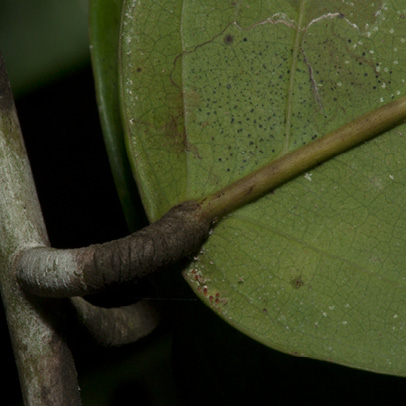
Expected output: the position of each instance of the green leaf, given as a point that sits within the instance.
(104, 26)
(214, 90)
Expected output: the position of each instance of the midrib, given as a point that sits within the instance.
(187, 187)
(296, 48)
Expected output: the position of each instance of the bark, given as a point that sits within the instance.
(44, 361)
(52, 272)
(117, 326)
(29, 268)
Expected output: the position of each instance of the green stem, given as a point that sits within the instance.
(296, 162)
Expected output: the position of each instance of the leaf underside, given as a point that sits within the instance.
(213, 90)
(104, 29)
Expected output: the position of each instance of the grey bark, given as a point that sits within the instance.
(44, 362)
(52, 272)
(35, 277)
(117, 326)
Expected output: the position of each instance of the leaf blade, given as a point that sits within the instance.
(316, 267)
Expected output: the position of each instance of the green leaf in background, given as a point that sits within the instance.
(33, 55)
(214, 90)
(104, 25)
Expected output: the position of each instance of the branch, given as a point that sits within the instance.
(117, 326)
(67, 273)
(298, 161)
(77, 272)
(45, 365)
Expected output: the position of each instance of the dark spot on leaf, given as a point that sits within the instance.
(139, 69)
(228, 39)
(297, 282)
